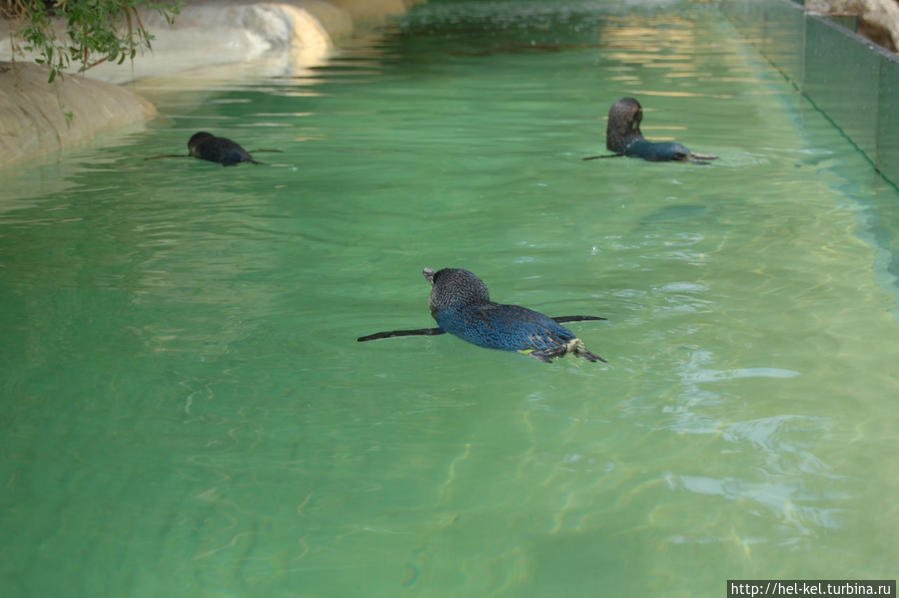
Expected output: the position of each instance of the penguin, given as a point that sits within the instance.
(460, 304)
(207, 146)
(221, 150)
(623, 137)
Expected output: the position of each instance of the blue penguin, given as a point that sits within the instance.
(221, 150)
(461, 305)
(623, 137)
(207, 146)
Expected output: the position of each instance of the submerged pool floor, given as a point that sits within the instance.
(186, 411)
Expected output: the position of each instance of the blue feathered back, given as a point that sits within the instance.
(461, 305)
(657, 152)
(507, 327)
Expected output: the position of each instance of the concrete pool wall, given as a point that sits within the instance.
(852, 81)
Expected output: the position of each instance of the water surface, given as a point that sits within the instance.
(186, 411)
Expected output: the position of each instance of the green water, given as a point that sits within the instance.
(185, 411)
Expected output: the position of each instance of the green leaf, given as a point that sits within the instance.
(98, 30)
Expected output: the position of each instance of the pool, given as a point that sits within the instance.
(187, 413)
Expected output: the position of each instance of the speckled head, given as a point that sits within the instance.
(625, 116)
(454, 288)
(196, 139)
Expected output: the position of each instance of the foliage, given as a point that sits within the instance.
(98, 30)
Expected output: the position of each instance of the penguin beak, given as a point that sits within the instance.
(428, 273)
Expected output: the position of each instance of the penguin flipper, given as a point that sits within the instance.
(168, 156)
(601, 157)
(393, 333)
(236, 162)
(561, 319)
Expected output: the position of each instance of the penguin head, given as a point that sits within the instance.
(625, 116)
(454, 288)
(196, 139)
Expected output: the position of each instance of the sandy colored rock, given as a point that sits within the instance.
(880, 16)
(34, 117)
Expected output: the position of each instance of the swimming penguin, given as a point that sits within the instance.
(623, 137)
(207, 146)
(461, 305)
